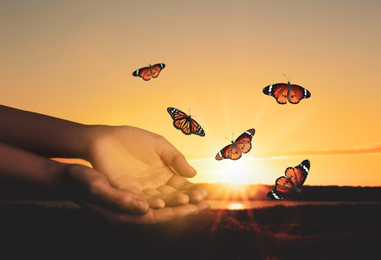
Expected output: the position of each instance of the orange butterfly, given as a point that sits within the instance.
(292, 182)
(283, 92)
(147, 72)
(241, 145)
(185, 123)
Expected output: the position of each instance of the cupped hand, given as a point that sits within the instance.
(135, 159)
(91, 190)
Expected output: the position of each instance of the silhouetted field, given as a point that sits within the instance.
(220, 191)
(302, 232)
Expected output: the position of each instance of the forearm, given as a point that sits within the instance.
(22, 167)
(45, 135)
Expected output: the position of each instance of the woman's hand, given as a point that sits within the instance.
(136, 173)
(135, 159)
(90, 189)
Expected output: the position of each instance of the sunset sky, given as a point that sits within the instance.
(74, 60)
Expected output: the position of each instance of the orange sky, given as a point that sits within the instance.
(74, 59)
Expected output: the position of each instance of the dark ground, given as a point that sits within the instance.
(28, 231)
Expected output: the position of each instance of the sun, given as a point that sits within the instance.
(244, 171)
(236, 172)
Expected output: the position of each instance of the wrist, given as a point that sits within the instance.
(89, 139)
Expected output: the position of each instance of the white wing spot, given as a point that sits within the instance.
(248, 133)
(305, 168)
(275, 195)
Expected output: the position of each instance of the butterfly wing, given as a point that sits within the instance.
(241, 145)
(185, 123)
(283, 188)
(297, 93)
(196, 128)
(278, 91)
(176, 113)
(155, 69)
(230, 151)
(244, 140)
(144, 73)
(298, 174)
(179, 120)
(293, 181)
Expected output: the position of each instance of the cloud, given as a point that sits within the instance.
(373, 148)
(241, 159)
(370, 149)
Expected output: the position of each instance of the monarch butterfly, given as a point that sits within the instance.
(292, 182)
(241, 145)
(185, 123)
(286, 91)
(147, 72)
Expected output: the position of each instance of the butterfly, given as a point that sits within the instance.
(283, 92)
(292, 182)
(147, 72)
(185, 123)
(241, 145)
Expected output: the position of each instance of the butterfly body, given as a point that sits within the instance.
(286, 91)
(241, 145)
(290, 183)
(147, 73)
(185, 123)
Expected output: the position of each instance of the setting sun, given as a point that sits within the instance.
(235, 172)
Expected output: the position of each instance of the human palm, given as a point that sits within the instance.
(135, 159)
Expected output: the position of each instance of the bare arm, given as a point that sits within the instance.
(75, 182)
(18, 166)
(130, 158)
(45, 135)
(87, 187)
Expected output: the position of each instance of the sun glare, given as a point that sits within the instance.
(235, 206)
(236, 172)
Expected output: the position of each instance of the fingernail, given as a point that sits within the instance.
(140, 207)
(205, 207)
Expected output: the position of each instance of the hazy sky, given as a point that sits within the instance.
(74, 60)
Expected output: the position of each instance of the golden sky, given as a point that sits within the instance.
(74, 60)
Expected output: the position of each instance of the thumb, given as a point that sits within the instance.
(171, 156)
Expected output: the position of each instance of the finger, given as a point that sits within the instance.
(181, 183)
(175, 159)
(156, 203)
(153, 216)
(120, 200)
(172, 198)
(194, 192)
(153, 202)
(168, 196)
(173, 213)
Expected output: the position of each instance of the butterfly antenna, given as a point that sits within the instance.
(288, 79)
(230, 140)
